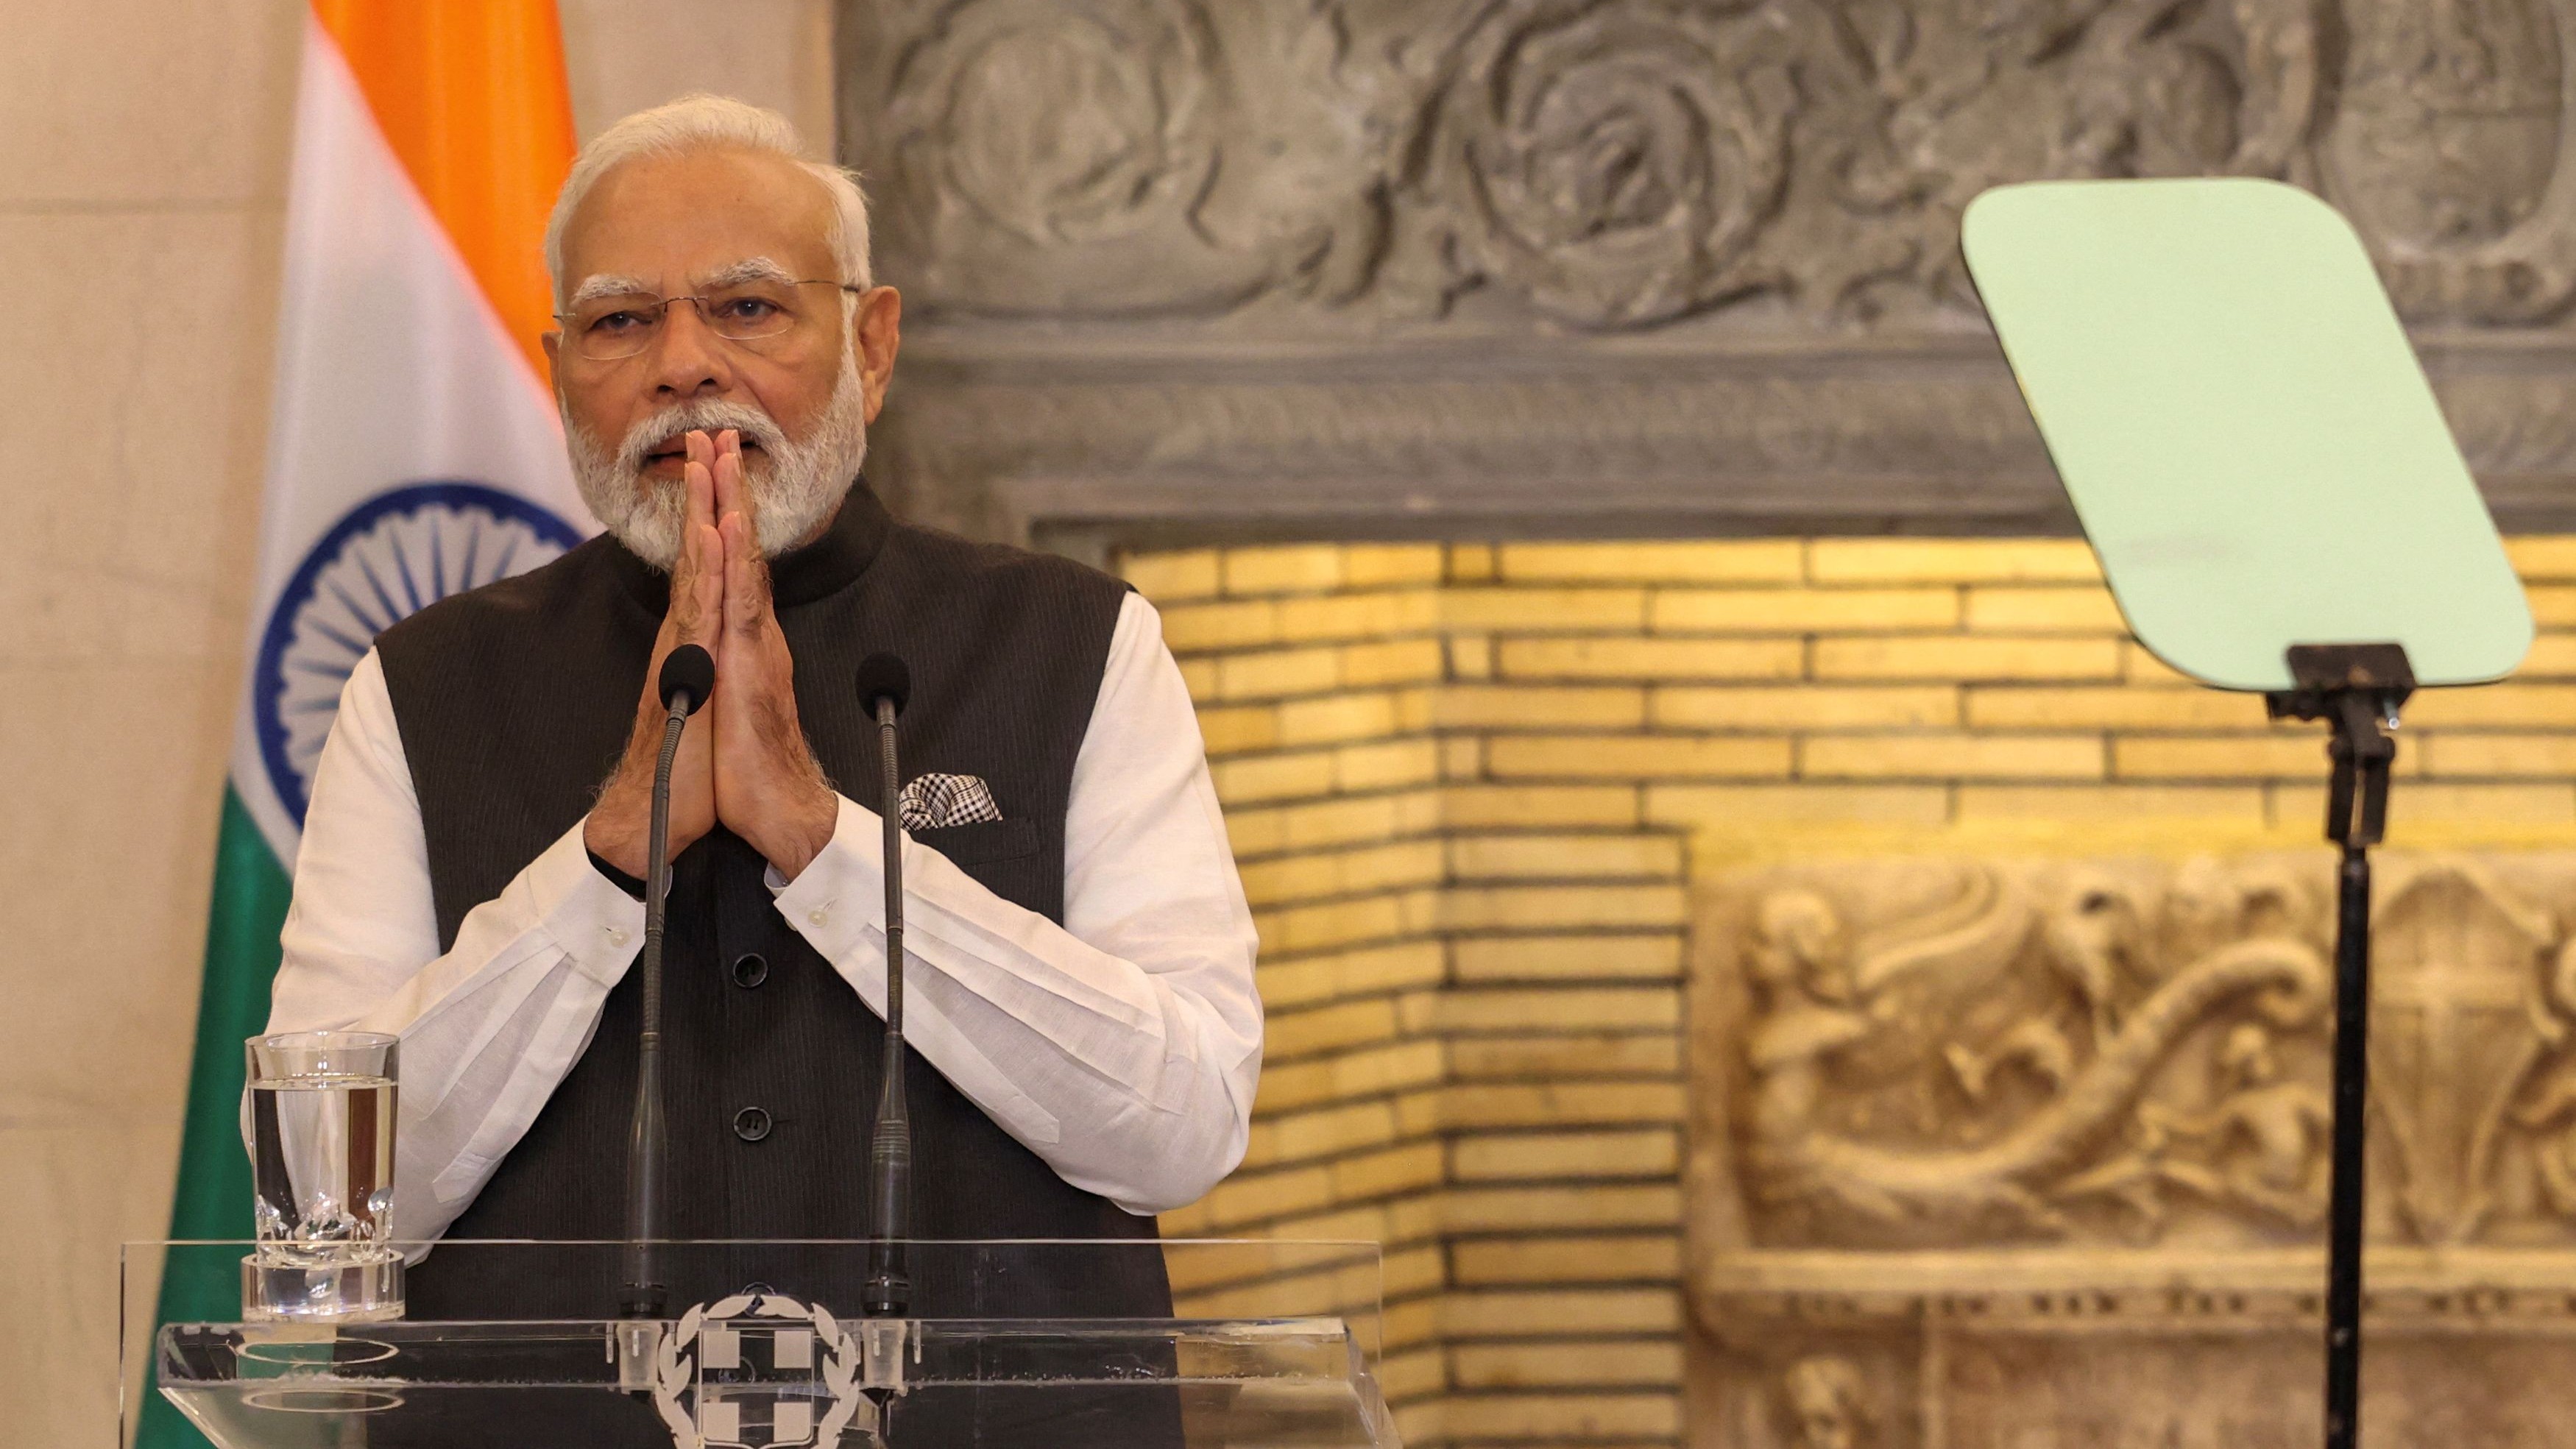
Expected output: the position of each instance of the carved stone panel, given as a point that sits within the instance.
(1442, 238)
(2020, 1152)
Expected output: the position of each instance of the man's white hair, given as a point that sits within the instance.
(697, 122)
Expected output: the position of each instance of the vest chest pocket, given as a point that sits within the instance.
(983, 842)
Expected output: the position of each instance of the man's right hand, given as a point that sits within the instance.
(620, 823)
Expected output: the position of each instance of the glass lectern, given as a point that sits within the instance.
(1265, 1344)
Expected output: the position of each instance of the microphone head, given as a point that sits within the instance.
(691, 670)
(883, 676)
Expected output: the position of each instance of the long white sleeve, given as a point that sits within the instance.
(1124, 1045)
(490, 1028)
(1131, 1033)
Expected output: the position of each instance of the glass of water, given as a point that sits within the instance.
(321, 1107)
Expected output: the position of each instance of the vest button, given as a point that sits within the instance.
(749, 970)
(751, 1124)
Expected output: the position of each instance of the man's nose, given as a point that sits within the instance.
(688, 359)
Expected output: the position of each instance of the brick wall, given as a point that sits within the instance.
(1462, 781)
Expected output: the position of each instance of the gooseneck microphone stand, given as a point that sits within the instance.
(2356, 689)
(884, 686)
(688, 677)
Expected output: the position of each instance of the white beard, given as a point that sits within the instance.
(793, 493)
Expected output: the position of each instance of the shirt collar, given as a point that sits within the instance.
(818, 570)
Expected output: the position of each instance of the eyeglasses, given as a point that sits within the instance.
(606, 329)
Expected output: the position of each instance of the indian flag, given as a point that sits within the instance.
(414, 452)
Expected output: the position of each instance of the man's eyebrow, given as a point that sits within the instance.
(607, 284)
(749, 269)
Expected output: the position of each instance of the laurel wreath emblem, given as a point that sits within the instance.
(675, 1368)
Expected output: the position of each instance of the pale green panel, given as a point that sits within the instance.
(2243, 428)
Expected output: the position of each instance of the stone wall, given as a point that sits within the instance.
(1466, 783)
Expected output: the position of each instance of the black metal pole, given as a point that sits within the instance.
(2351, 1094)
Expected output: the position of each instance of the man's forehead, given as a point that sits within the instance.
(677, 220)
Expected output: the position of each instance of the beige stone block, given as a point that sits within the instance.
(1804, 707)
(2241, 805)
(1335, 718)
(1470, 807)
(1539, 1209)
(1367, 1072)
(622, 56)
(1966, 657)
(1507, 1313)
(1324, 823)
(1331, 1132)
(1637, 757)
(1548, 1058)
(1568, 957)
(2080, 610)
(1272, 673)
(1403, 1376)
(1417, 1270)
(1387, 766)
(1559, 857)
(1239, 730)
(1249, 1197)
(1305, 980)
(1491, 1009)
(2510, 705)
(1172, 577)
(1526, 706)
(1408, 1168)
(1545, 907)
(1471, 656)
(1722, 806)
(2112, 707)
(1951, 561)
(1801, 611)
(1357, 616)
(1471, 563)
(1462, 758)
(1516, 1262)
(1573, 1364)
(1542, 609)
(1563, 1417)
(1343, 872)
(1396, 661)
(2552, 608)
(2457, 754)
(1288, 1035)
(1374, 565)
(1341, 923)
(1523, 1155)
(1647, 659)
(1198, 676)
(2004, 757)
(1251, 779)
(1283, 568)
(1693, 561)
(1232, 624)
(2430, 802)
(2230, 757)
(1558, 1104)
(2539, 557)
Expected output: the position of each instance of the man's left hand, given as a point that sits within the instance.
(769, 790)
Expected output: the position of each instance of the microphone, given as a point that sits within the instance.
(688, 677)
(884, 687)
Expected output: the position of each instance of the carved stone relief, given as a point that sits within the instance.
(2034, 1152)
(1491, 194)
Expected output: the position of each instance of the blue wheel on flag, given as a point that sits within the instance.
(393, 555)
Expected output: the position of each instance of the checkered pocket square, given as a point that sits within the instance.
(934, 802)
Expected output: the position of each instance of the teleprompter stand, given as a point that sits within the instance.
(2357, 689)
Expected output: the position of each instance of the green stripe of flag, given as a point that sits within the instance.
(213, 1197)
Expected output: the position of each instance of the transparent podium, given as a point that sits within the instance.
(1190, 1344)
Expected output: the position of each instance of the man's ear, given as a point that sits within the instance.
(552, 342)
(876, 334)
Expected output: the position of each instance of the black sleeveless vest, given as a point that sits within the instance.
(515, 701)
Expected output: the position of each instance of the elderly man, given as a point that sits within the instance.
(1081, 998)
